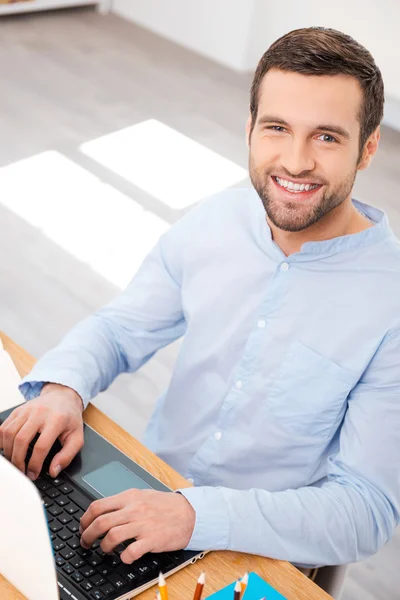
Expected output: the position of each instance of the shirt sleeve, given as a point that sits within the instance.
(123, 335)
(347, 518)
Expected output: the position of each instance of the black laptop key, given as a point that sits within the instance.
(67, 553)
(71, 509)
(73, 527)
(87, 586)
(52, 493)
(47, 503)
(94, 560)
(77, 576)
(128, 571)
(57, 545)
(107, 589)
(42, 484)
(83, 552)
(55, 511)
(97, 580)
(65, 535)
(118, 580)
(156, 564)
(64, 519)
(55, 527)
(87, 571)
(56, 481)
(105, 569)
(97, 595)
(60, 561)
(77, 562)
(79, 514)
(62, 501)
(68, 569)
(112, 560)
(74, 543)
(65, 488)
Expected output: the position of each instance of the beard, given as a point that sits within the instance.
(293, 216)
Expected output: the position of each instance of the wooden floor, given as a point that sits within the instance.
(69, 77)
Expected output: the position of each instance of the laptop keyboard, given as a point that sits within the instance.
(98, 574)
(95, 574)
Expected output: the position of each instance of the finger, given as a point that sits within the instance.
(15, 413)
(21, 442)
(41, 449)
(9, 433)
(110, 523)
(101, 507)
(71, 446)
(136, 550)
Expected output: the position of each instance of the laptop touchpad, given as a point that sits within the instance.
(114, 478)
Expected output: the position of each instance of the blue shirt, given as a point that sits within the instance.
(284, 403)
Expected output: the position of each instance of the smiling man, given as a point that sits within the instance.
(283, 407)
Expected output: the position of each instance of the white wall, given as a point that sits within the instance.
(237, 32)
(373, 23)
(217, 29)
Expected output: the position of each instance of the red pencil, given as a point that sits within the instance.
(199, 587)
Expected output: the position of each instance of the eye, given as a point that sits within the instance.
(275, 127)
(326, 135)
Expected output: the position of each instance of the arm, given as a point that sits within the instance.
(350, 516)
(123, 335)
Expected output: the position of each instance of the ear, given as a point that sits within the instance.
(370, 148)
(248, 128)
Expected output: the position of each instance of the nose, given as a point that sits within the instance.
(297, 157)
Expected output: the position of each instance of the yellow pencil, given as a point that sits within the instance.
(162, 586)
(243, 583)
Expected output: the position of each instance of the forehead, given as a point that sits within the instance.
(308, 99)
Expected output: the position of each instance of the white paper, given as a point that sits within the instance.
(26, 557)
(9, 380)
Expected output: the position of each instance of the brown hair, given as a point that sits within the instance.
(323, 51)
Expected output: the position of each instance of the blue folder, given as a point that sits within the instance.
(256, 589)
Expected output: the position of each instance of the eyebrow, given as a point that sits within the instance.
(331, 128)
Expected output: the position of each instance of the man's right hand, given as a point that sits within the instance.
(56, 413)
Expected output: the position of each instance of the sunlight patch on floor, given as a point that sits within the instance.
(89, 219)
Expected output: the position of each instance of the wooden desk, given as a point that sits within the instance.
(221, 567)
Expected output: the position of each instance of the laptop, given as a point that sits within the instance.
(40, 551)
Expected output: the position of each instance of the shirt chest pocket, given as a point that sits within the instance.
(309, 392)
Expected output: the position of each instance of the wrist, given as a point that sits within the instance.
(65, 391)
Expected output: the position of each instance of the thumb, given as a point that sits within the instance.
(136, 550)
(71, 446)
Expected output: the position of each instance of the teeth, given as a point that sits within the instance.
(296, 187)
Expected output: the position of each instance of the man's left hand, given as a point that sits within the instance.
(159, 522)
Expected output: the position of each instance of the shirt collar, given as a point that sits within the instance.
(314, 250)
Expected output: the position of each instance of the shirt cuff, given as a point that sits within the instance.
(31, 385)
(211, 531)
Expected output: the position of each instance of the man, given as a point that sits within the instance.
(283, 406)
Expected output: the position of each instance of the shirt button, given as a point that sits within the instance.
(218, 435)
(261, 323)
(285, 266)
(238, 384)
(190, 480)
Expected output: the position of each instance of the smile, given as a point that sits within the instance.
(296, 188)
